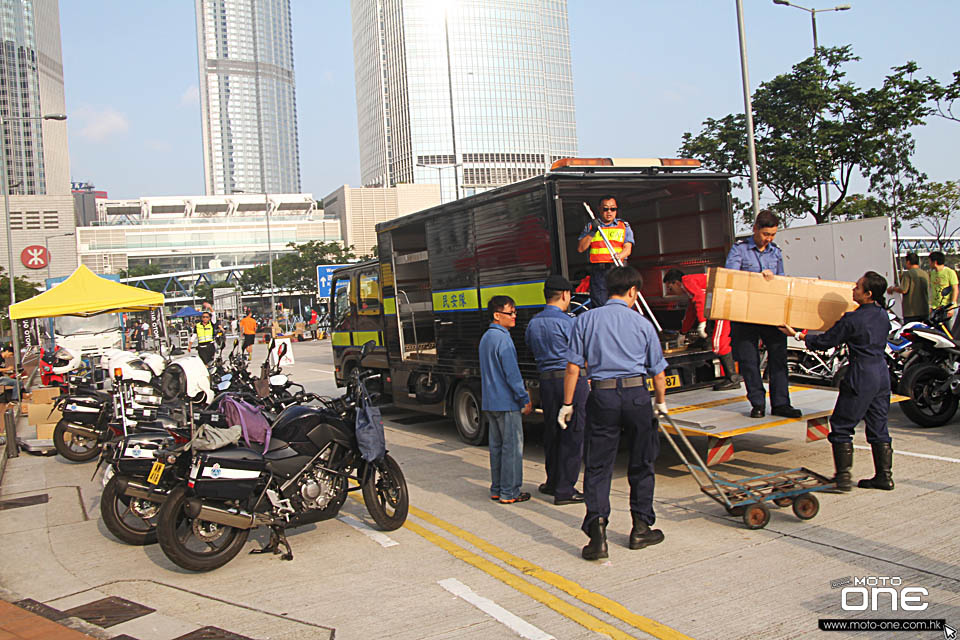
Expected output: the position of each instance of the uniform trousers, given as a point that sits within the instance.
(598, 284)
(563, 448)
(746, 352)
(206, 351)
(609, 411)
(852, 407)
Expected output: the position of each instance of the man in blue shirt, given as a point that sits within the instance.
(618, 234)
(504, 399)
(760, 254)
(621, 351)
(548, 335)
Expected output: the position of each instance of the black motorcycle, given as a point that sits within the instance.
(304, 477)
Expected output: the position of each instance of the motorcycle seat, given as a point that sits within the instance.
(278, 450)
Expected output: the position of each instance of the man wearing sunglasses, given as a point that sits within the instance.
(620, 236)
(504, 399)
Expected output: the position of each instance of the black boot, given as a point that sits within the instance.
(642, 535)
(597, 547)
(843, 462)
(882, 468)
(731, 379)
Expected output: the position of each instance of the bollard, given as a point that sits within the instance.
(10, 428)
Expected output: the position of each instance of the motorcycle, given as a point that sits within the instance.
(931, 374)
(303, 477)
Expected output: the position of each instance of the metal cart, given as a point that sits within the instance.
(748, 497)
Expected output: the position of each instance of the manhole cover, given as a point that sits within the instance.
(109, 611)
(211, 633)
(26, 501)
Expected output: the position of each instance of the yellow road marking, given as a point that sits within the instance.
(603, 603)
(540, 595)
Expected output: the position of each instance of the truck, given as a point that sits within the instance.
(423, 299)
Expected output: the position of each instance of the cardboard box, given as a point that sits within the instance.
(43, 413)
(802, 303)
(45, 431)
(43, 395)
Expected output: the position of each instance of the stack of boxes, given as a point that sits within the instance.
(41, 413)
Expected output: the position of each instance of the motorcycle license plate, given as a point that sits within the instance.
(155, 472)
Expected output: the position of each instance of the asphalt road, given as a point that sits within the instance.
(465, 567)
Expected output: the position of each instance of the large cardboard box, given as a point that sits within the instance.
(45, 431)
(43, 413)
(802, 303)
(42, 395)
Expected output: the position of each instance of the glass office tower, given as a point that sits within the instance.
(247, 96)
(31, 85)
(472, 94)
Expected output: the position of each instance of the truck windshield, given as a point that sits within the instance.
(71, 326)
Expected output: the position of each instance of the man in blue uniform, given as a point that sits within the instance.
(504, 399)
(620, 236)
(865, 391)
(760, 254)
(548, 335)
(621, 351)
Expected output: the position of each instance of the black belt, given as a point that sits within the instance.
(560, 373)
(624, 383)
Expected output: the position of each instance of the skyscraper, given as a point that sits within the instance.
(247, 96)
(31, 85)
(469, 93)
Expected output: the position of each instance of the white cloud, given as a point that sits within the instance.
(99, 124)
(190, 97)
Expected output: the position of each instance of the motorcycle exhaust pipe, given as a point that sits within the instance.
(134, 489)
(195, 508)
(81, 430)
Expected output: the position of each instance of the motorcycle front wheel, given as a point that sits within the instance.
(131, 520)
(195, 545)
(930, 403)
(73, 447)
(385, 494)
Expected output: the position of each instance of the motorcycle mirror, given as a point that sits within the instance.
(282, 351)
(890, 303)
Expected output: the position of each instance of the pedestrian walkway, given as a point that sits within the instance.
(19, 624)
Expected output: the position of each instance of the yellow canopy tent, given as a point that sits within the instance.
(84, 294)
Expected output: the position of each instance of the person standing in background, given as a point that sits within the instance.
(915, 289)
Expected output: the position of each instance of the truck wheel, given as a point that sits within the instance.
(471, 426)
(428, 389)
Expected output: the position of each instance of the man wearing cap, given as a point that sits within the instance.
(618, 234)
(206, 330)
(548, 335)
(621, 351)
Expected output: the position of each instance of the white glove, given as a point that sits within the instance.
(660, 409)
(702, 329)
(566, 412)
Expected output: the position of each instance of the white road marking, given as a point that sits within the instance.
(915, 455)
(520, 626)
(376, 536)
(323, 370)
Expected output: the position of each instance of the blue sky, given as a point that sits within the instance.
(644, 73)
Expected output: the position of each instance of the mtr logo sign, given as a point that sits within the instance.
(35, 257)
(872, 593)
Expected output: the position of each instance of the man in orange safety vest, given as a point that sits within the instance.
(620, 236)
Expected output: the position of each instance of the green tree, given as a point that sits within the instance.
(945, 97)
(858, 205)
(933, 208)
(148, 269)
(812, 126)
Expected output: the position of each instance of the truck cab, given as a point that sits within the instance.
(356, 317)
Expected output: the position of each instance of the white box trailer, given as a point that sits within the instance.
(840, 250)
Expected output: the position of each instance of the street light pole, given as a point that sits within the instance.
(748, 111)
(46, 248)
(266, 205)
(816, 45)
(15, 339)
(440, 168)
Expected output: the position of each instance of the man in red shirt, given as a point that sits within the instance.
(694, 287)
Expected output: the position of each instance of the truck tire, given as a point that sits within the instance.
(471, 426)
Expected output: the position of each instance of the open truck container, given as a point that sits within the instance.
(424, 299)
